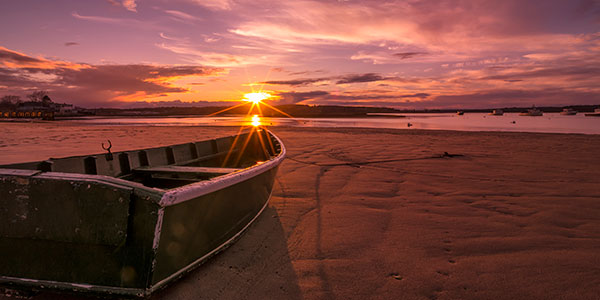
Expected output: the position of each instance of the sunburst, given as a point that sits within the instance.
(255, 99)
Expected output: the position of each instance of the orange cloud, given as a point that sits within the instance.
(15, 60)
(97, 83)
(130, 5)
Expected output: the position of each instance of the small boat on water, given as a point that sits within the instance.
(129, 222)
(533, 112)
(496, 112)
(568, 112)
(460, 112)
(596, 113)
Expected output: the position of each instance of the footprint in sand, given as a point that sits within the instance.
(448, 249)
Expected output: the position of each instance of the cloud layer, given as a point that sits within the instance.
(420, 53)
(94, 85)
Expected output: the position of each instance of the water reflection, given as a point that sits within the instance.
(549, 122)
(256, 121)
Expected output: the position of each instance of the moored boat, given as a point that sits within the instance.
(460, 112)
(596, 113)
(130, 222)
(568, 112)
(496, 112)
(533, 112)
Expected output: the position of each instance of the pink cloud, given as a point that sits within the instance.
(214, 4)
(181, 16)
(118, 21)
(468, 27)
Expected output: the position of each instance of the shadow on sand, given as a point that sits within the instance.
(258, 266)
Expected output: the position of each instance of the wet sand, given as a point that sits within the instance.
(383, 214)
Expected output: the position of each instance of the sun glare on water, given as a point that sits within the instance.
(256, 97)
(255, 120)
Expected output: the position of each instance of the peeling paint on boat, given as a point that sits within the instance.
(158, 228)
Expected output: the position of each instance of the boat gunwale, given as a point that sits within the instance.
(9, 281)
(194, 190)
(172, 196)
(101, 179)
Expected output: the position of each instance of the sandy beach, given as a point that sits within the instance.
(384, 214)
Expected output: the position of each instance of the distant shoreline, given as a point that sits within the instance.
(309, 111)
(469, 122)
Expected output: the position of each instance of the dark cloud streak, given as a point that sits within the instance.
(295, 97)
(347, 79)
(581, 71)
(295, 82)
(368, 77)
(324, 97)
(407, 55)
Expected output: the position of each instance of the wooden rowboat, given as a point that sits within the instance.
(130, 222)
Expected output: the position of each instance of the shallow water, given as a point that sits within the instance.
(549, 122)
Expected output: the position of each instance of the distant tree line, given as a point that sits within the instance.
(13, 101)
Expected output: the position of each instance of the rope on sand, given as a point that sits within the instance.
(362, 163)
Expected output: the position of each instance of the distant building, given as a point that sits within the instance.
(34, 106)
(46, 109)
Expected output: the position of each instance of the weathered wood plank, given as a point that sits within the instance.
(186, 170)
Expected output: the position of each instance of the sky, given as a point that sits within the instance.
(402, 54)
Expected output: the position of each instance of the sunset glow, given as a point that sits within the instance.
(256, 97)
(401, 54)
(367, 149)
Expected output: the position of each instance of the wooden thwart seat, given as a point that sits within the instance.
(201, 171)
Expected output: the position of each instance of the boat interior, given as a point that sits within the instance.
(170, 166)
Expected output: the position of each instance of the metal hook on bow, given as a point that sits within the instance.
(108, 155)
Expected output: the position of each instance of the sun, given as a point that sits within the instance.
(256, 97)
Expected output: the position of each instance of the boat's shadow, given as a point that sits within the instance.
(257, 266)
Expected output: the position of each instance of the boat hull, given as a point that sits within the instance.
(196, 229)
(99, 234)
(526, 114)
(568, 112)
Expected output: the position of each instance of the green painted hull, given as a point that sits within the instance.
(132, 224)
